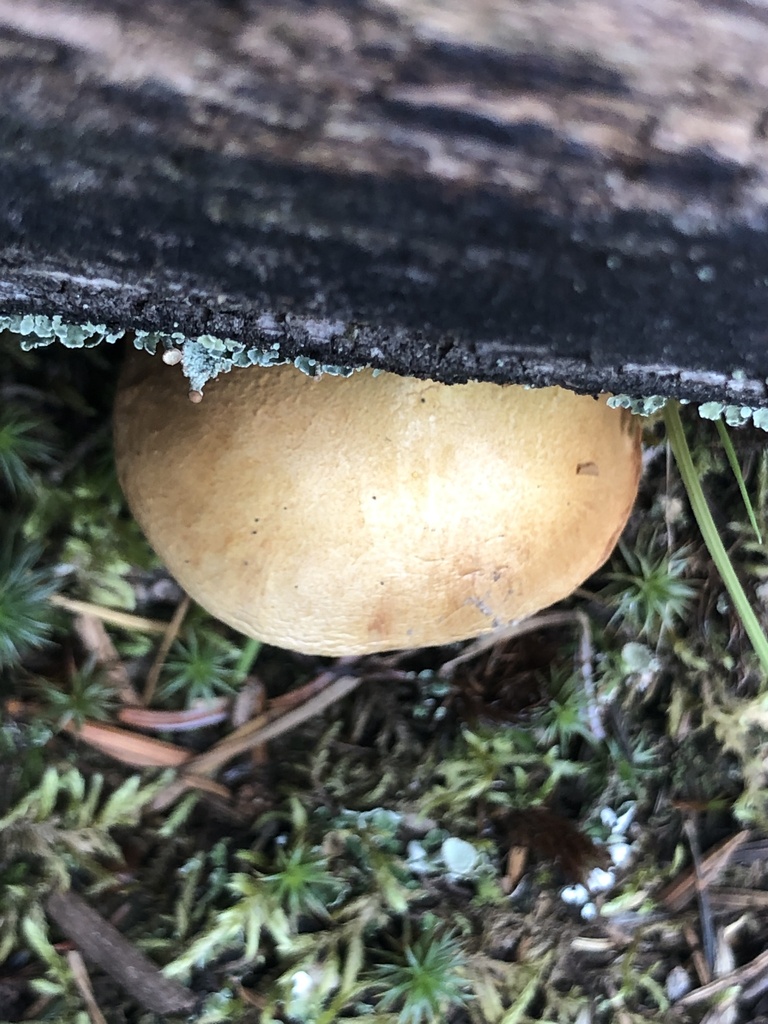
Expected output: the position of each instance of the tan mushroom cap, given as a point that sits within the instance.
(349, 515)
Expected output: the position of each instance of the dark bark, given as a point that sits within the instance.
(566, 190)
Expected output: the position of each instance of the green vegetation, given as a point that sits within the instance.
(22, 447)
(25, 590)
(200, 666)
(712, 537)
(487, 843)
(424, 978)
(652, 594)
(86, 695)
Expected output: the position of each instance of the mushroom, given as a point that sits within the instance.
(343, 516)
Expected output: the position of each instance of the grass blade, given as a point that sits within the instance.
(725, 440)
(710, 534)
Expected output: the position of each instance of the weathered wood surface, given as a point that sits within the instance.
(567, 190)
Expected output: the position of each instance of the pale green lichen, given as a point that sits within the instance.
(202, 358)
(148, 341)
(37, 331)
(314, 368)
(201, 363)
(639, 406)
(206, 356)
(734, 415)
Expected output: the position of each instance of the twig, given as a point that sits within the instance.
(510, 632)
(171, 632)
(83, 982)
(755, 969)
(699, 961)
(98, 642)
(260, 754)
(728, 898)
(117, 618)
(679, 893)
(197, 717)
(705, 909)
(259, 731)
(757, 987)
(293, 698)
(103, 945)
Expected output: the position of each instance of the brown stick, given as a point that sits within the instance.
(153, 676)
(252, 734)
(103, 945)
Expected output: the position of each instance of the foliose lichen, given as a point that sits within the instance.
(639, 406)
(38, 331)
(202, 358)
(734, 415)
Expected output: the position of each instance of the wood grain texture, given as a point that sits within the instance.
(551, 192)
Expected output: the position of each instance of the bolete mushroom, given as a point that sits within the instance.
(350, 515)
